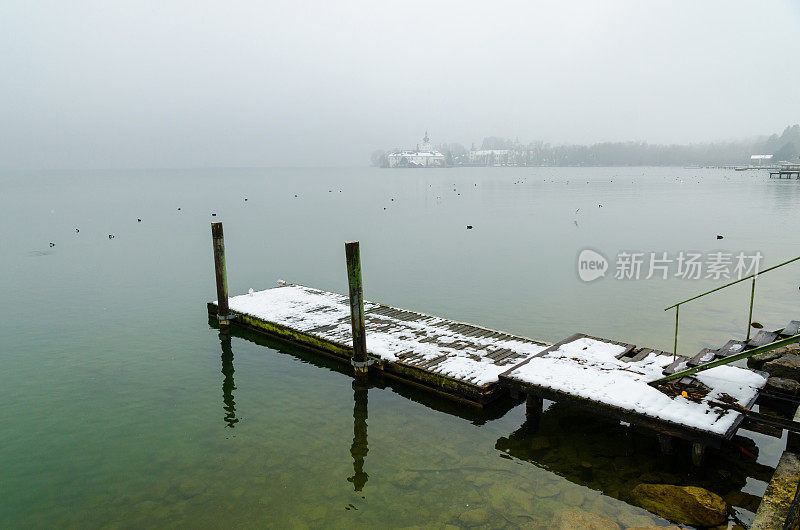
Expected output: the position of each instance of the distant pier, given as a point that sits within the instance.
(786, 171)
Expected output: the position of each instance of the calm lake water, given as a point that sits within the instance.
(121, 406)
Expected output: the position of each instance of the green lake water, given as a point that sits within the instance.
(121, 406)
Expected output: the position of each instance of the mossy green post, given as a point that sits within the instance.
(353, 256)
(221, 275)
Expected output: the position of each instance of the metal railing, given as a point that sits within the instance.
(752, 296)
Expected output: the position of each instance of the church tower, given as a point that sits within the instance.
(426, 146)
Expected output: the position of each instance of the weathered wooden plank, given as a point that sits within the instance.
(731, 347)
(762, 337)
(675, 366)
(792, 329)
(426, 343)
(704, 356)
(430, 363)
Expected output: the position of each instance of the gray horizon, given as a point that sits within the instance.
(205, 84)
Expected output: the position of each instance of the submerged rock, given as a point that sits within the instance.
(787, 366)
(546, 489)
(575, 518)
(654, 527)
(634, 520)
(404, 479)
(573, 497)
(474, 517)
(191, 487)
(681, 504)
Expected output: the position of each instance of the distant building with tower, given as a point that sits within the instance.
(423, 156)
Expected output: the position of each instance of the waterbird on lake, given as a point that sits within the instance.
(719, 236)
(111, 236)
(756, 325)
(213, 215)
(138, 220)
(76, 230)
(250, 291)
(469, 227)
(52, 244)
(281, 283)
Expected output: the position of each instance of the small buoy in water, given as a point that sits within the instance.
(469, 227)
(392, 200)
(384, 207)
(756, 325)
(719, 236)
(52, 244)
(250, 291)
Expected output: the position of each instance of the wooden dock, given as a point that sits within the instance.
(786, 171)
(457, 359)
(477, 364)
(703, 399)
(611, 378)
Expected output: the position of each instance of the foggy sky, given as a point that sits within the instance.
(115, 84)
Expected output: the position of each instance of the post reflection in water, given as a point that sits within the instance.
(228, 386)
(359, 449)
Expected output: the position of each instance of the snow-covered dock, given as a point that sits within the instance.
(477, 364)
(612, 378)
(457, 359)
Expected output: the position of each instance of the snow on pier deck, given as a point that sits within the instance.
(612, 377)
(478, 364)
(441, 354)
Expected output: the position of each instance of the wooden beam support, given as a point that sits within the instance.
(353, 257)
(223, 312)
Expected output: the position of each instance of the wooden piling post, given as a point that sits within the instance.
(665, 442)
(698, 450)
(223, 312)
(359, 360)
(534, 406)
